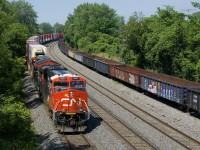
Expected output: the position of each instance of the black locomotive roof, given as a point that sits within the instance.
(52, 70)
(58, 70)
(46, 69)
(41, 59)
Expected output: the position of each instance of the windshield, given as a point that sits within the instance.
(77, 84)
(60, 86)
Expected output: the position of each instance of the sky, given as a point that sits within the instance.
(52, 11)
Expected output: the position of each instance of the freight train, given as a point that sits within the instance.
(63, 91)
(183, 92)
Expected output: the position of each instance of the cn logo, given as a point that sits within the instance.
(66, 102)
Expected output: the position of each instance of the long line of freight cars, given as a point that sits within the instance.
(185, 93)
(63, 91)
(40, 50)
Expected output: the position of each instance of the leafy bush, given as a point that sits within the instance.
(16, 131)
(15, 119)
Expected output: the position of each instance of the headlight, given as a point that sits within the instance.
(71, 94)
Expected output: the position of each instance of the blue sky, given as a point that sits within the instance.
(53, 11)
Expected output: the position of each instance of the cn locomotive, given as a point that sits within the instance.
(63, 91)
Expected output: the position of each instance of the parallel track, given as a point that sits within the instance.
(181, 138)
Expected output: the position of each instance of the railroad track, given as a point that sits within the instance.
(76, 141)
(180, 138)
(129, 138)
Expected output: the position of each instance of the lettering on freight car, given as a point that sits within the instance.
(120, 75)
(194, 100)
(195, 96)
(170, 94)
(131, 79)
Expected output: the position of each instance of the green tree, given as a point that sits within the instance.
(94, 28)
(133, 38)
(15, 119)
(45, 28)
(58, 28)
(15, 35)
(25, 14)
(197, 72)
(166, 42)
(196, 4)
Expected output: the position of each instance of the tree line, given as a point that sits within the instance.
(17, 22)
(166, 42)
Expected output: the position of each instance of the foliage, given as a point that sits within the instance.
(166, 42)
(45, 28)
(11, 69)
(196, 4)
(94, 28)
(133, 38)
(197, 71)
(14, 35)
(25, 15)
(15, 126)
(14, 118)
(16, 131)
(58, 28)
